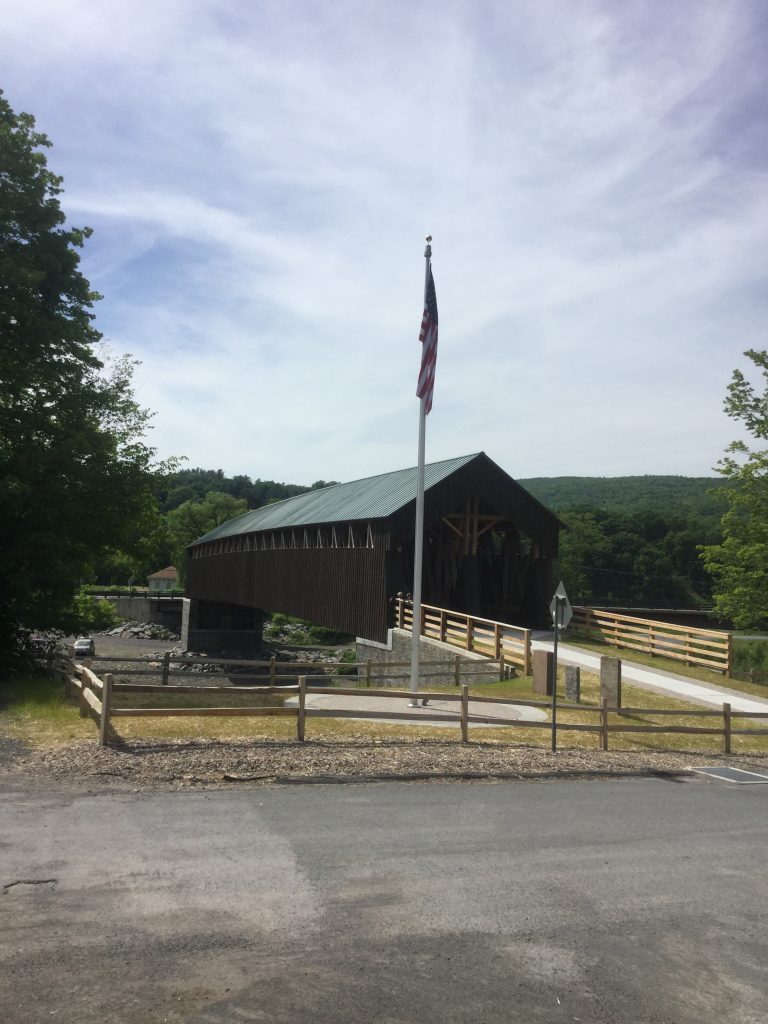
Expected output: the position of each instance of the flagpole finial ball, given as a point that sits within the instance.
(429, 238)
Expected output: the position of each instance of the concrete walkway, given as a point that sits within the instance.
(653, 679)
(444, 713)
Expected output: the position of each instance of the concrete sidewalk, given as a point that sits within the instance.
(438, 712)
(653, 679)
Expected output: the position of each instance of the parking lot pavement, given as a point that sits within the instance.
(624, 902)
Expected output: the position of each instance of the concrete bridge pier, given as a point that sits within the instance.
(216, 627)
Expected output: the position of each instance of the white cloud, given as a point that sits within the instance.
(261, 180)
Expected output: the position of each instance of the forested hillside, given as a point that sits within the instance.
(682, 493)
(634, 540)
(195, 484)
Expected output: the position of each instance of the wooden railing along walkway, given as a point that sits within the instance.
(706, 648)
(499, 641)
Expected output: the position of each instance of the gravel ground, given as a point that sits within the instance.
(184, 763)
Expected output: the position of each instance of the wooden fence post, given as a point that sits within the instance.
(726, 728)
(527, 653)
(106, 698)
(457, 670)
(368, 672)
(464, 713)
(302, 708)
(82, 702)
(496, 640)
(502, 667)
(442, 625)
(166, 667)
(272, 671)
(470, 626)
(66, 668)
(729, 658)
(604, 724)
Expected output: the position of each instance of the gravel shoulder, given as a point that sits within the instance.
(140, 765)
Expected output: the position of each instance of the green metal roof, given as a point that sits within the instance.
(375, 497)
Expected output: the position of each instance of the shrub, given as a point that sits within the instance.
(323, 635)
(349, 657)
(91, 614)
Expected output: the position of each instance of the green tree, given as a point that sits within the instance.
(75, 474)
(738, 565)
(642, 557)
(583, 548)
(194, 518)
(90, 614)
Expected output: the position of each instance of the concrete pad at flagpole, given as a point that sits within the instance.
(438, 713)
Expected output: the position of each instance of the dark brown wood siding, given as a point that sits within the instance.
(342, 588)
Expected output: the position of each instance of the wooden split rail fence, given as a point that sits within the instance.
(96, 698)
(368, 671)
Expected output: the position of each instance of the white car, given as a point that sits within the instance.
(85, 646)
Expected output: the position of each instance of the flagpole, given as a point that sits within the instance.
(418, 553)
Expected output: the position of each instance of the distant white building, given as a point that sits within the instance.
(164, 579)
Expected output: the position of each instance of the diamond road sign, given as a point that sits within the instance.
(561, 609)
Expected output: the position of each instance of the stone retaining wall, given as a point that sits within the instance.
(474, 667)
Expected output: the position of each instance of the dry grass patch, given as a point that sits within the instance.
(632, 697)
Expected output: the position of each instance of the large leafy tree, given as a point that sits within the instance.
(739, 566)
(76, 477)
(192, 519)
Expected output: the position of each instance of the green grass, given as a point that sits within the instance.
(33, 710)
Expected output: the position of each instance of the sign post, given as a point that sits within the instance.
(562, 613)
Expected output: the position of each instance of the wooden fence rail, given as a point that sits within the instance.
(367, 670)
(706, 648)
(101, 706)
(494, 640)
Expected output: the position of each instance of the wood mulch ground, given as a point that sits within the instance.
(147, 764)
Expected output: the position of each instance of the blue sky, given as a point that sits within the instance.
(260, 178)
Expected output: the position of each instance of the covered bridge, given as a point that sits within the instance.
(338, 556)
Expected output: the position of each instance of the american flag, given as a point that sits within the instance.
(428, 339)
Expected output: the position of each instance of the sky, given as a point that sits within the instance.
(260, 179)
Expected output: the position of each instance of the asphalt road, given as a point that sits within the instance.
(639, 901)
